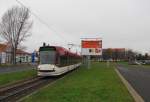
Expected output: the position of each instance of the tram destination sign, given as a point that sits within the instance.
(91, 47)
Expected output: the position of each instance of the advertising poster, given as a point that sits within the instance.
(91, 47)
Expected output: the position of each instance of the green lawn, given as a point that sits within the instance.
(146, 66)
(12, 77)
(14, 66)
(98, 84)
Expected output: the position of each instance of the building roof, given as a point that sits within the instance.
(4, 47)
(19, 51)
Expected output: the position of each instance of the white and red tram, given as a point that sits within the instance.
(56, 60)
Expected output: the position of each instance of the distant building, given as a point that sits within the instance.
(21, 56)
(114, 54)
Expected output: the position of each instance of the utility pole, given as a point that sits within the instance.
(71, 45)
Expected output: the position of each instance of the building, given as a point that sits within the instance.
(21, 56)
(114, 54)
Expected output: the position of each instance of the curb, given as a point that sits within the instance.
(131, 90)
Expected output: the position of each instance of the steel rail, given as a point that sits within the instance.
(15, 92)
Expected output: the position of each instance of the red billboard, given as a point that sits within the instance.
(91, 47)
(91, 44)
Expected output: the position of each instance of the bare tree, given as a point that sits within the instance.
(131, 55)
(15, 27)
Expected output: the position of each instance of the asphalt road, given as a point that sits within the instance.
(8, 69)
(139, 78)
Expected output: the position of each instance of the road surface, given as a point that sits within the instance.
(139, 78)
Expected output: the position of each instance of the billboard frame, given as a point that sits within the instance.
(95, 49)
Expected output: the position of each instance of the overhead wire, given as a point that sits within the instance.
(44, 23)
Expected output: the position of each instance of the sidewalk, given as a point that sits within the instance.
(15, 68)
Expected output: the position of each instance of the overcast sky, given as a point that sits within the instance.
(120, 23)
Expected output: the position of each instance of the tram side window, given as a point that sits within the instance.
(68, 60)
(63, 60)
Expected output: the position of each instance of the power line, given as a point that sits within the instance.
(43, 22)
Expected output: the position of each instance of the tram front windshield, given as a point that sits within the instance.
(47, 57)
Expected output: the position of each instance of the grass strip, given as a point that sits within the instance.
(13, 77)
(97, 84)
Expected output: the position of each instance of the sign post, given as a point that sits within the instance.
(90, 47)
(89, 61)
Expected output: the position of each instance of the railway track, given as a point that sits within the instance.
(19, 90)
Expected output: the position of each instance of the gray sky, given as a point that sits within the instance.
(120, 23)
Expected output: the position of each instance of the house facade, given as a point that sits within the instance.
(5, 55)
